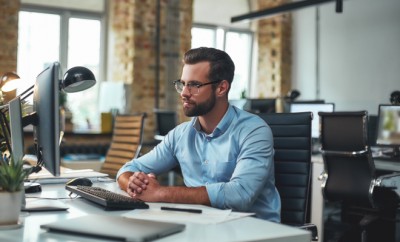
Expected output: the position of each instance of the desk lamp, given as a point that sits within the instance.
(292, 95)
(75, 79)
(9, 82)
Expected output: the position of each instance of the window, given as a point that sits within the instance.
(237, 43)
(73, 39)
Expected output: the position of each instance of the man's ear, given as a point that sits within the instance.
(223, 88)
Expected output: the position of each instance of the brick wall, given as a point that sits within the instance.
(9, 35)
(274, 55)
(136, 35)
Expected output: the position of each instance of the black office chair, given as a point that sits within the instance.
(367, 210)
(292, 159)
(166, 120)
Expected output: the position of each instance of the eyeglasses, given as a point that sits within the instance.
(193, 88)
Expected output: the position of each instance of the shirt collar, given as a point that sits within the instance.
(222, 126)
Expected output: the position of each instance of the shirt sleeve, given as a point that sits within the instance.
(253, 174)
(159, 160)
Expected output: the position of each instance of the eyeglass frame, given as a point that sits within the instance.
(191, 85)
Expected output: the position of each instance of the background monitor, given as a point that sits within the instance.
(46, 118)
(266, 105)
(389, 128)
(239, 103)
(314, 108)
(166, 120)
(286, 104)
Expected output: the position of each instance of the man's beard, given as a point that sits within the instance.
(201, 108)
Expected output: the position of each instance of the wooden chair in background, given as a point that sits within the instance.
(126, 142)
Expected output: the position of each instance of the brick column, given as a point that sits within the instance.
(134, 28)
(274, 56)
(9, 35)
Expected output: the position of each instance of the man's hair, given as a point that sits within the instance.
(221, 64)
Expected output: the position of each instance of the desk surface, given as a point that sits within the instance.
(247, 228)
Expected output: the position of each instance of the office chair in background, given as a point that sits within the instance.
(126, 142)
(166, 120)
(293, 170)
(368, 210)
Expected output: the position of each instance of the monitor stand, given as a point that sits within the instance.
(32, 187)
(315, 146)
(391, 155)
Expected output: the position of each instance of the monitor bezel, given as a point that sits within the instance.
(315, 132)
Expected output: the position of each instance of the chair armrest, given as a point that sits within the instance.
(323, 176)
(312, 228)
(390, 181)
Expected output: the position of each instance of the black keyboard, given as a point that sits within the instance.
(108, 199)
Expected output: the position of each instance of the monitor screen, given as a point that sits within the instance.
(46, 118)
(266, 105)
(166, 120)
(16, 132)
(314, 108)
(239, 103)
(388, 126)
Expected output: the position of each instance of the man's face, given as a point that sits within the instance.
(197, 102)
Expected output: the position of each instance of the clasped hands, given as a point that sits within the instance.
(143, 186)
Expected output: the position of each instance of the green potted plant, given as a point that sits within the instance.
(12, 176)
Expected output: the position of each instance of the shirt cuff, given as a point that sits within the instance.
(216, 195)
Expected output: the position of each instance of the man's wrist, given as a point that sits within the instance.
(123, 180)
(162, 194)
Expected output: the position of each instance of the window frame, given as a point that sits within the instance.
(65, 15)
(225, 30)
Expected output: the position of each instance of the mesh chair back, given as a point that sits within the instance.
(126, 142)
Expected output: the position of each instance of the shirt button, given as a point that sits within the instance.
(206, 162)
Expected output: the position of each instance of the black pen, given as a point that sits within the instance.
(189, 210)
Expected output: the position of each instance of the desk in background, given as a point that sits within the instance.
(243, 229)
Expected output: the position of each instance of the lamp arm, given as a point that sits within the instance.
(31, 118)
(26, 93)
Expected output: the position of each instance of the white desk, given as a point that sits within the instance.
(244, 229)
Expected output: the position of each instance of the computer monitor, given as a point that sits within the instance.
(166, 120)
(286, 104)
(389, 129)
(239, 103)
(314, 108)
(16, 131)
(45, 118)
(265, 105)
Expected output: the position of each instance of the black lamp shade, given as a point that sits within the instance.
(78, 79)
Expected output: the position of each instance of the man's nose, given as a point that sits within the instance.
(185, 91)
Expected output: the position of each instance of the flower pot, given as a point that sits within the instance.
(10, 207)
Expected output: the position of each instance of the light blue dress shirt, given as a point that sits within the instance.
(234, 162)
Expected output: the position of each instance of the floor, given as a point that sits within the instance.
(334, 230)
